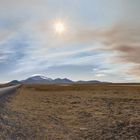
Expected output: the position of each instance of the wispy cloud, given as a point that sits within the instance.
(103, 35)
(122, 38)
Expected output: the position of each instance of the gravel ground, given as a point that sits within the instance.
(43, 113)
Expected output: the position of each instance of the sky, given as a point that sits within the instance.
(101, 40)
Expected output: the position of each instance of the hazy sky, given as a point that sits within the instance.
(101, 39)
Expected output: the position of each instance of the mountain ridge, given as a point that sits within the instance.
(38, 79)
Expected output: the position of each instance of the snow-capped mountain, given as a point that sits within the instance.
(44, 80)
(39, 79)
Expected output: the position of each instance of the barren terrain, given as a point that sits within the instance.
(71, 112)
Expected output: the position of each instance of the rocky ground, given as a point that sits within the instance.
(71, 113)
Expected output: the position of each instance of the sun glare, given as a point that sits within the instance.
(59, 27)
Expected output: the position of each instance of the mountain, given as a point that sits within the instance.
(89, 82)
(44, 80)
(63, 81)
(37, 80)
(14, 82)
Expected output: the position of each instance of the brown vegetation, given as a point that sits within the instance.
(72, 112)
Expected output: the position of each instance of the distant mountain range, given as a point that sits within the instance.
(44, 80)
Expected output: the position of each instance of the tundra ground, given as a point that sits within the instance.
(71, 112)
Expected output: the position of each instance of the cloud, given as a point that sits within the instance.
(114, 42)
(100, 75)
(124, 39)
(4, 54)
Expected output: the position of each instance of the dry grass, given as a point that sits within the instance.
(74, 112)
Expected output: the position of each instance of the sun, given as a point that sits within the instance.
(59, 27)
